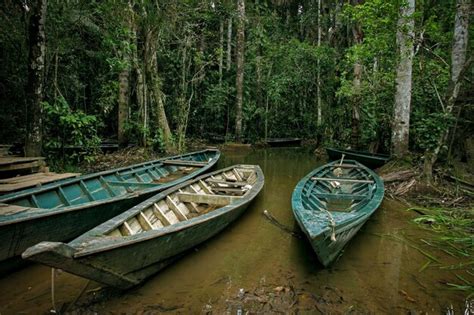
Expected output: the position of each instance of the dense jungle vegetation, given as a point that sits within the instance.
(388, 76)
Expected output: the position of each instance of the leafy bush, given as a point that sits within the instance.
(69, 134)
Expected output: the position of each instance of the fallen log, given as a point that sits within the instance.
(398, 176)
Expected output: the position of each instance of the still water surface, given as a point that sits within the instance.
(378, 273)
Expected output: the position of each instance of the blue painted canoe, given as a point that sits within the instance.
(372, 160)
(332, 203)
(64, 210)
(125, 250)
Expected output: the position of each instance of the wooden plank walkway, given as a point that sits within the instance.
(21, 182)
(8, 164)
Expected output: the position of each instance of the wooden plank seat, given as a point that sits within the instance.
(218, 200)
(343, 180)
(341, 196)
(343, 165)
(217, 182)
(185, 163)
(227, 190)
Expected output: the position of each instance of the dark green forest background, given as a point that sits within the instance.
(178, 61)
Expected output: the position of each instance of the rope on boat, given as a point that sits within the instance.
(332, 225)
(52, 292)
(283, 227)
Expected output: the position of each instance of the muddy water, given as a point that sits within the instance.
(381, 271)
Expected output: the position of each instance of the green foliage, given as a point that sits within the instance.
(70, 134)
(90, 43)
(428, 129)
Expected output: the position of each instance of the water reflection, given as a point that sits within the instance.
(377, 273)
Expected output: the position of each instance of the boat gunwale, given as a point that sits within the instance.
(46, 212)
(29, 191)
(92, 242)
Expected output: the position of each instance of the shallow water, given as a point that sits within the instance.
(381, 271)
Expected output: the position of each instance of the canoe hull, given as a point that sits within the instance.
(326, 250)
(128, 266)
(125, 262)
(329, 231)
(21, 230)
(60, 227)
(368, 159)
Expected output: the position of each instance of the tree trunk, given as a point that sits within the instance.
(157, 96)
(124, 75)
(221, 50)
(401, 116)
(34, 92)
(240, 68)
(459, 66)
(229, 44)
(123, 106)
(183, 105)
(318, 79)
(356, 86)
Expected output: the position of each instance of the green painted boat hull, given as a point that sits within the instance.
(371, 160)
(20, 230)
(126, 261)
(315, 217)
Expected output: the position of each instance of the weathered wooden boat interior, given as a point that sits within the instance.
(110, 184)
(195, 199)
(338, 187)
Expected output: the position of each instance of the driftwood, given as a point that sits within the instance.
(404, 187)
(462, 183)
(398, 176)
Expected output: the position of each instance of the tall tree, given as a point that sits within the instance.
(240, 68)
(229, 43)
(459, 66)
(401, 115)
(37, 52)
(318, 79)
(356, 84)
(124, 75)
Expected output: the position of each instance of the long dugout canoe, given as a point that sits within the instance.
(64, 210)
(125, 250)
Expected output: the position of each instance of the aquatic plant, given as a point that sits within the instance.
(454, 229)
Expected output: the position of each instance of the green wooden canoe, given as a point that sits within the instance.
(332, 203)
(64, 210)
(130, 247)
(372, 160)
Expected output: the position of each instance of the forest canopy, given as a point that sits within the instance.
(158, 72)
